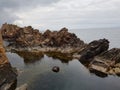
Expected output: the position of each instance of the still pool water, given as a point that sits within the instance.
(72, 76)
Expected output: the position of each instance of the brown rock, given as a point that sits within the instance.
(29, 37)
(112, 55)
(7, 74)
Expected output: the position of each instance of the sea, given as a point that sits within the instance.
(38, 75)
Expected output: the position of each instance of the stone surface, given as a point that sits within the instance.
(60, 44)
(29, 37)
(112, 55)
(93, 49)
(8, 76)
(22, 87)
(55, 69)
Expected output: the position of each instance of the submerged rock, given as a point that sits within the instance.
(55, 69)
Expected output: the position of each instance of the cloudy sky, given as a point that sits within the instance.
(55, 14)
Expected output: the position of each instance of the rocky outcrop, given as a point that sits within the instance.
(62, 38)
(8, 76)
(29, 37)
(111, 55)
(28, 42)
(110, 60)
(93, 49)
(105, 63)
(21, 37)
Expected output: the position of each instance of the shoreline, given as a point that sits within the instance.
(32, 45)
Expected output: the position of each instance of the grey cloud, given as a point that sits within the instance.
(8, 7)
(24, 3)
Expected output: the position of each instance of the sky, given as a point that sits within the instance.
(56, 14)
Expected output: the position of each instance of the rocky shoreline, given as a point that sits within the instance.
(8, 75)
(30, 44)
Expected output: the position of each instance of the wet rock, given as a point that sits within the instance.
(55, 69)
(98, 73)
(94, 48)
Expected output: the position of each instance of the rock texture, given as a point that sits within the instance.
(30, 57)
(111, 60)
(93, 49)
(29, 37)
(63, 45)
(100, 60)
(8, 76)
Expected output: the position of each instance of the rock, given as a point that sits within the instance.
(8, 77)
(94, 48)
(22, 87)
(9, 31)
(29, 37)
(98, 65)
(30, 56)
(55, 69)
(111, 55)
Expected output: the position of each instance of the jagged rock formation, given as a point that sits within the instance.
(109, 60)
(8, 76)
(99, 59)
(93, 49)
(112, 55)
(29, 37)
(64, 45)
(61, 38)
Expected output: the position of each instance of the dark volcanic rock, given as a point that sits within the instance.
(29, 37)
(94, 48)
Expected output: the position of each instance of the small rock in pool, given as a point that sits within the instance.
(55, 69)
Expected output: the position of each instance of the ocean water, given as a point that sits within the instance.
(88, 35)
(73, 75)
